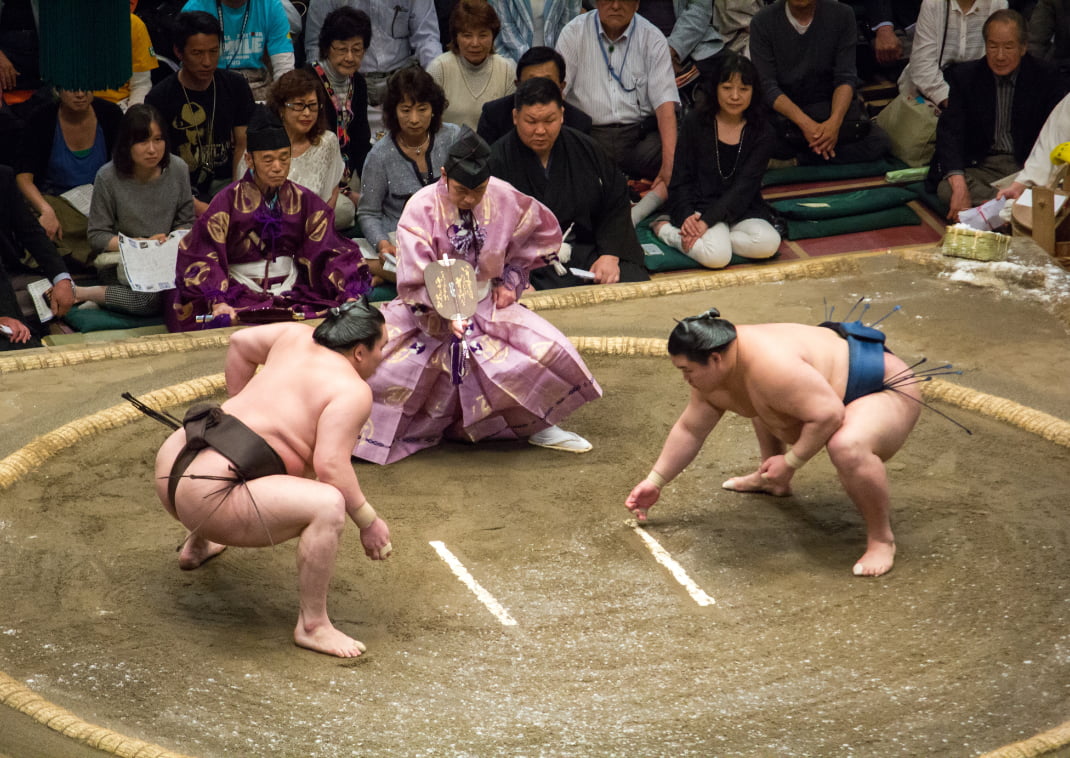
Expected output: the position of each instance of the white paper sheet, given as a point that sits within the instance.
(37, 290)
(81, 197)
(1026, 200)
(150, 265)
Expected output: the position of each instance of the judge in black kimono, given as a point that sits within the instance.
(570, 174)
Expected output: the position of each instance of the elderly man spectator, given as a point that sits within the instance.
(251, 29)
(205, 108)
(622, 75)
(805, 54)
(496, 120)
(401, 32)
(266, 249)
(571, 175)
(19, 231)
(995, 110)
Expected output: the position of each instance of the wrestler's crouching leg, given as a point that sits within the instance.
(196, 551)
(769, 446)
(317, 548)
(865, 481)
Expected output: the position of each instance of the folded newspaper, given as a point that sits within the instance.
(150, 265)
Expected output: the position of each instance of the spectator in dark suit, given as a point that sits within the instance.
(19, 232)
(996, 107)
(497, 118)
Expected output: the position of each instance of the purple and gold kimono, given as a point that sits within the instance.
(238, 228)
(521, 374)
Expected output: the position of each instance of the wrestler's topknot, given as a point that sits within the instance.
(356, 322)
(698, 337)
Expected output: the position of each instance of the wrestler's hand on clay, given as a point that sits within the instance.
(642, 498)
(375, 538)
(503, 296)
(776, 471)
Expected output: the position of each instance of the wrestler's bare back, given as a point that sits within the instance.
(299, 386)
(781, 370)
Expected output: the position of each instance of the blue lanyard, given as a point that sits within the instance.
(605, 55)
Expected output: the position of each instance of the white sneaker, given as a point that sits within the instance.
(557, 438)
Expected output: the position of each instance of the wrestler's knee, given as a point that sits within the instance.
(332, 512)
(848, 451)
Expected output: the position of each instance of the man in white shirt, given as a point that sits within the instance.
(623, 77)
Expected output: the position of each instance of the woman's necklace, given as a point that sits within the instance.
(482, 69)
(417, 149)
(717, 151)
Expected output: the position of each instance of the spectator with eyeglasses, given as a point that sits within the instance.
(315, 160)
(343, 41)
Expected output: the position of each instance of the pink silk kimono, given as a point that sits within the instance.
(521, 374)
(239, 227)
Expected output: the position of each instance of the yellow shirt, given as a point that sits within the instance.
(142, 54)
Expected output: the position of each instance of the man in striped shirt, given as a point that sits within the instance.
(623, 78)
(996, 108)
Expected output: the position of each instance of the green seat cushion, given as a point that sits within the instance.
(844, 203)
(861, 222)
(97, 319)
(931, 199)
(827, 172)
(382, 293)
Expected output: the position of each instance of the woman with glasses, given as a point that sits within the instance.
(315, 159)
(343, 40)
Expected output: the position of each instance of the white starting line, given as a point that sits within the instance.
(662, 556)
(463, 574)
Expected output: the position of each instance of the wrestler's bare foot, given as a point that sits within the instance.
(196, 551)
(324, 638)
(755, 483)
(877, 560)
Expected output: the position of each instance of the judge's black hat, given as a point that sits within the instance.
(468, 160)
(265, 131)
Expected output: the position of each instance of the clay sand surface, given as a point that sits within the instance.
(963, 647)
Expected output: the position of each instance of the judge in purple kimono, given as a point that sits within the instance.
(266, 249)
(502, 373)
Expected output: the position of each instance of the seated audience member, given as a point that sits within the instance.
(19, 234)
(1039, 169)
(471, 73)
(344, 39)
(251, 30)
(403, 34)
(715, 199)
(995, 110)
(315, 159)
(1049, 35)
(519, 375)
(496, 120)
(143, 193)
(526, 24)
(266, 248)
(571, 175)
(805, 53)
(20, 56)
(144, 61)
(205, 108)
(64, 145)
(947, 32)
(622, 75)
(404, 161)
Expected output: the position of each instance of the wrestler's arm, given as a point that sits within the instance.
(804, 395)
(336, 435)
(248, 349)
(681, 446)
